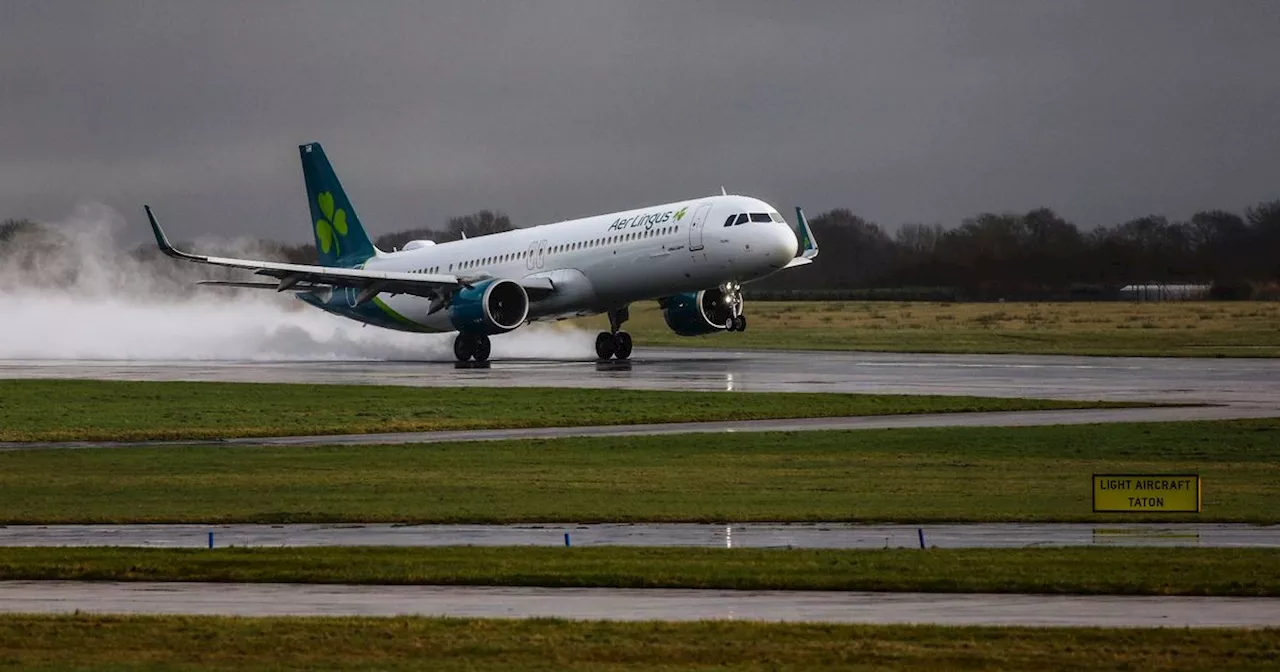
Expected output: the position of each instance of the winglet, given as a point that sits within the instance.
(808, 244)
(163, 240)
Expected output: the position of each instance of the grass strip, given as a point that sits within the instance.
(88, 410)
(910, 475)
(1165, 329)
(1079, 571)
(221, 643)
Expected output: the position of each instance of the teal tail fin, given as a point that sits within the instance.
(340, 240)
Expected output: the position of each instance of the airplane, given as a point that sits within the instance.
(692, 256)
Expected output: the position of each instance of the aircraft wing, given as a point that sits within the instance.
(307, 276)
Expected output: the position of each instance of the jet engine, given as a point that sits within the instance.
(489, 307)
(697, 313)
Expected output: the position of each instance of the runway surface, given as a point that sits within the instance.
(239, 599)
(1245, 382)
(1236, 388)
(742, 535)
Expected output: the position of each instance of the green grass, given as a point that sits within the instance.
(1084, 571)
(1175, 328)
(945, 474)
(81, 410)
(239, 644)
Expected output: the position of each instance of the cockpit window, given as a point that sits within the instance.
(729, 222)
(777, 218)
(760, 217)
(741, 219)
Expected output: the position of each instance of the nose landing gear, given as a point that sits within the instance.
(471, 346)
(615, 342)
(732, 292)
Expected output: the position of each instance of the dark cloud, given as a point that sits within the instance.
(901, 111)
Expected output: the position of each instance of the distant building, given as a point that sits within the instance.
(1158, 291)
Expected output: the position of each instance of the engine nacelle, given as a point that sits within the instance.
(697, 313)
(489, 307)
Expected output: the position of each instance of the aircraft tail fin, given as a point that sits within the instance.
(340, 239)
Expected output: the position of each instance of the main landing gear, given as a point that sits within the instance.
(471, 346)
(615, 342)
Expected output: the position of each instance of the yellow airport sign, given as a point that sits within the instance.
(1147, 493)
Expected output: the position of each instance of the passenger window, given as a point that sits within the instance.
(760, 217)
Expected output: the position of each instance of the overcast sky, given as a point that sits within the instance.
(901, 111)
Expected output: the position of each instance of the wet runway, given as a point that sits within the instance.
(635, 604)
(1240, 382)
(1244, 388)
(741, 535)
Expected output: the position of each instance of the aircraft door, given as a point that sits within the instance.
(531, 259)
(696, 225)
(542, 252)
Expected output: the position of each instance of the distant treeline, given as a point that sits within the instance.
(1036, 255)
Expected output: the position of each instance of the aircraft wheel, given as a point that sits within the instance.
(623, 350)
(481, 348)
(606, 345)
(463, 347)
(739, 323)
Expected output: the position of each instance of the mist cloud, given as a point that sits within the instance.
(69, 291)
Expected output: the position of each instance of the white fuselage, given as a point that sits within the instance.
(605, 262)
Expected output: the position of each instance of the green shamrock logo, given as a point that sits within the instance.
(680, 213)
(334, 225)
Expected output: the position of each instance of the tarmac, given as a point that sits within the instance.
(1224, 388)
(266, 599)
(1235, 382)
(738, 535)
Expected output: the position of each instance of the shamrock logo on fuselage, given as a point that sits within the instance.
(330, 229)
(680, 213)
